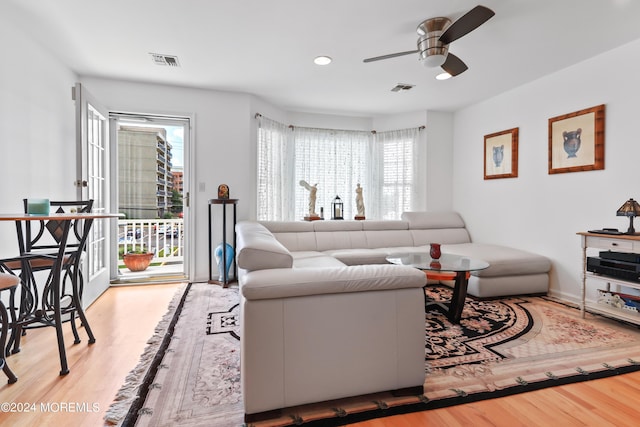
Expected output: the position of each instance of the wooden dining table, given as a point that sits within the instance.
(50, 315)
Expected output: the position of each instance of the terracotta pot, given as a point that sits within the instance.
(137, 262)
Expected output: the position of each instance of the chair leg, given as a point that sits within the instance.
(78, 284)
(54, 278)
(4, 319)
(74, 329)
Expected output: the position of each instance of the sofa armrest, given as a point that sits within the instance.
(258, 249)
(286, 283)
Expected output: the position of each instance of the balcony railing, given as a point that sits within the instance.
(163, 237)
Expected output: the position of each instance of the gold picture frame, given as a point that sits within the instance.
(501, 154)
(576, 141)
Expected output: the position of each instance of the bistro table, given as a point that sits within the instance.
(51, 314)
(459, 265)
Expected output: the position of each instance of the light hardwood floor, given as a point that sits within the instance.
(124, 318)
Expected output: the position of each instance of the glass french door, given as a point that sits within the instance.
(92, 164)
(151, 191)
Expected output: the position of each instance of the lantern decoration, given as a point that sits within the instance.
(337, 208)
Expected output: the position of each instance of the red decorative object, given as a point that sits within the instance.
(435, 251)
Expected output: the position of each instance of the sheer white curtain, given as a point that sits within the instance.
(276, 172)
(395, 173)
(388, 166)
(336, 160)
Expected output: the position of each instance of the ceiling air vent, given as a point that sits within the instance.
(402, 86)
(159, 59)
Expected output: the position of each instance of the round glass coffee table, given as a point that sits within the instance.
(461, 266)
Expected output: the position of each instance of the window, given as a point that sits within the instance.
(336, 160)
(275, 173)
(398, 154)
(383, 163)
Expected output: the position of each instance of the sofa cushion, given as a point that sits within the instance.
(436, 227)
(258, 249)
(359, 256)
(504, 261)
(388, 238)
(299, 255)
(320, 226)
(385, 225)
(288, 226)
(323, 260)
(430, 220)
(286, 283)
(440, 235)
(294, 235)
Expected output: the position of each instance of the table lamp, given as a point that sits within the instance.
(631, 208)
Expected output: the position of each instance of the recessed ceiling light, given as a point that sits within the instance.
(322, 60)
(443, 76)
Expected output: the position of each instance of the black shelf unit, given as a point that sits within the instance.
(227, 274)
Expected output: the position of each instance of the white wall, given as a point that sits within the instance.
(541, 212)
(439, 178)
(37, 124)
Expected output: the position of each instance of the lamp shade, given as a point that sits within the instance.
(630, 208)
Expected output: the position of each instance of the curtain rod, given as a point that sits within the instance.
(258, 115)
(419, 128)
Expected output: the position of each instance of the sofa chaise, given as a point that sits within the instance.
(324, 316)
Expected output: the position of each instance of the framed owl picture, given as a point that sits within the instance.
(501, 154)
(576, 141)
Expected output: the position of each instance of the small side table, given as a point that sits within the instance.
(227, 279)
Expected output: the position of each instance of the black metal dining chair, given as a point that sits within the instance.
(8, 282)
(38, 252)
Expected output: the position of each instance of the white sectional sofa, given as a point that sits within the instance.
(324, 316)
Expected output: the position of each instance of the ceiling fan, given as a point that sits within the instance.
(435, 35)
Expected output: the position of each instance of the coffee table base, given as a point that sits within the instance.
(454, 312)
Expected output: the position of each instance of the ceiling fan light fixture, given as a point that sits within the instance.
(433, 61)
(322, 60)
(443, 76)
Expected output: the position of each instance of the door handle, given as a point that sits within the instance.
(186, 199)
(81, 183)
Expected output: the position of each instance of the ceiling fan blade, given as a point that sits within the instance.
(466, 23)
(454, 65)
(391, 55)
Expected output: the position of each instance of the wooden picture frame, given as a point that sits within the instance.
(576, 141)
(501, 154)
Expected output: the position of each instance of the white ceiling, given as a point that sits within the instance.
(266, 48)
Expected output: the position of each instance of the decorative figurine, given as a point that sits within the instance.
(223, 191)
(313, 189)
(359, 204)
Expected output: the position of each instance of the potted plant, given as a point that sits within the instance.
(138, 259)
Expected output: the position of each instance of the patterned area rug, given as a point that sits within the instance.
(500, 347)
